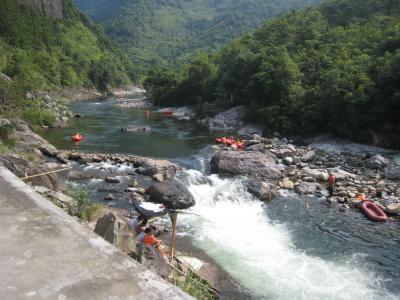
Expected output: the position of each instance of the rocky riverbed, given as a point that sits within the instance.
(277, 165)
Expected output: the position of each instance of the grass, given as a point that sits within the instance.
(194, 286)
(83, 207)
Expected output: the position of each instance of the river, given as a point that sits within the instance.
(279, 250)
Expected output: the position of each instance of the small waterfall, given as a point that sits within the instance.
(234, 229)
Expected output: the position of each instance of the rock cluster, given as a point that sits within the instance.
(277, 164)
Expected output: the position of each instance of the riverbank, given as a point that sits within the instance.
(122, 177)
(267, 162)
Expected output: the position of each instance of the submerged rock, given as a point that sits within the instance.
(136, 128)
(172, 194)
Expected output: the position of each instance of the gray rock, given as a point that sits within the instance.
(308, 156)
(377, 162)
(172, 194)
(109, 197)
(111, 179)
(77, 175)
(393, 171)
(287, 160)
(305, 188)
(23, 167)
(231, 118)
(151, 167)
(256, 164)
(5, 77)
(261, 190)
(107, 227)
(136, 128)
(41, 189)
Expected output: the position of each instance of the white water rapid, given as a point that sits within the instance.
(234, 229)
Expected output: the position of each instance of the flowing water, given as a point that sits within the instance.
(279, 250)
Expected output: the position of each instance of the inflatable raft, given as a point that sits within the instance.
(77, 137)
(373, 211)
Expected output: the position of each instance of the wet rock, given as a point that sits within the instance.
(172, 194)
(261, 190)
(305, 188)
(287, 184)
(256, 164)
(77, 175)
(136, 128)
(111, 179)
(377, 162)
(109, 197)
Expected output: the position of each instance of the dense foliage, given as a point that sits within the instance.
(161, 32)
(332, 69)
(42, 53)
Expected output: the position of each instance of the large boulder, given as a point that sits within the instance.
(26, 140)
(256, 164)
(231, 118)
(23, 167)
(158, 169)
(172, 194)
(377, 162)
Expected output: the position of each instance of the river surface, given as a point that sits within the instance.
(279, 250)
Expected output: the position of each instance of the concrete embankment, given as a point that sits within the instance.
(46, 254)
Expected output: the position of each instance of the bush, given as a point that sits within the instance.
(84, 208)
(39, 117)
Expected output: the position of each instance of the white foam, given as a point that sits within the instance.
(234, 229)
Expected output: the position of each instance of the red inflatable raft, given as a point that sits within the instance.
(373, 211)
(77, 137)
(168, 113)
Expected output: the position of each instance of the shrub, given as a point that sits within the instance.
(84, 208)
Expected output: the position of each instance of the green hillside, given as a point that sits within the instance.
(333, 69)
(41, 52)
(163, 32)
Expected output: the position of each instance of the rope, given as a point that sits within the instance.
(42, 174)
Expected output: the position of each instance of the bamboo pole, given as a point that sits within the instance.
(173, 217)
(47, 173)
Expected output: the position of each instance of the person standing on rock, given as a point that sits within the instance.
(331, 184)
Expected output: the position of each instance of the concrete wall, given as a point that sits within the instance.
(47, 254)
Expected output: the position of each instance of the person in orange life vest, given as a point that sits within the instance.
(331, 184)
(361, 197)
(150, 240)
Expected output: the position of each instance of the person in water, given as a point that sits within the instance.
(331, 184)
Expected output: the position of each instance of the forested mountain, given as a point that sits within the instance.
(48, 44)
(161, 32)
(333, 69)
